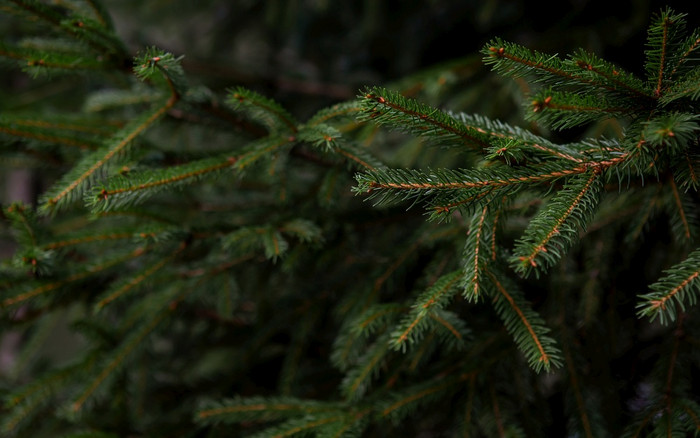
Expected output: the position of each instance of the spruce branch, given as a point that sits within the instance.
(331, 141)
(686, 87)
(687, 171)
(580, 71)
(240, 409)
(417, 322)
(662, 38)
(93, 33)
(524, 324)
(117, 358)
(324, 425)
(670, 294)
(614, 81)
(22, 293)
(522, 145)
(89, 168)
(477, 252)
(358, 380)
(402, 404)
(556, 227)
(118, 289)
(392, 109)
(262, 109)
(376, 318)
(340, 111)
(124, 191)
(39, 62)
(683, 218)
(562, 110)
(76, 133)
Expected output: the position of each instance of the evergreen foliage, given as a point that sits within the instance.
(228, 269)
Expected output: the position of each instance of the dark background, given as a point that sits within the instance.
(329, 49)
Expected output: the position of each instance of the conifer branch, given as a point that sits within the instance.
(358, 380)
(77, 27)
(39, 61)
(118, 358)
(476, 253)
(259, 408)
(691, 44)
(340, 110)
(680, 208)
(562, 110)
(125, 191)
(356, 283)
(114, 293)
(49, 286)
(391, 108)
(555, 229)
(402, 404)
(96, 161)
(576, 388)
(375, 318)
(89, 239)
(610, 74)
(296, 426)
(86, 170)
(662, 61)
(263, 109)
(46, 138)
(680, 284)
(101, 14)
(526, 327)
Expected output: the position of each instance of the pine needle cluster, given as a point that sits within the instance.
(226, 269)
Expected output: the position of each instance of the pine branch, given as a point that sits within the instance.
(88, 169)
(416, 323)
(676, 132)
(611, 77)
(407, 115)
(341, 111)
(663, 37)
(686, 87)
(22, 293)
(124, 191)
(24, 404)
(78, 134)
(37, 62)
(477, 253)
(687, 171)
(91, 236)
(670, 294)
(80, 28)
(562, 110)
(118, 289)
(581, 70)
(118, 357)
(403, 403)
(374, 319)
(264, 110)
(330, 140)
(684, 219)
(527, 327)
(516, 143)
(683, 55)
(241, 409)
(556, 227)
(358, 380)
(311, 423)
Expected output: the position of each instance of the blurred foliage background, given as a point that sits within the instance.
(308, 54)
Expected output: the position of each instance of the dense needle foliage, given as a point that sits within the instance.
(382, 267)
